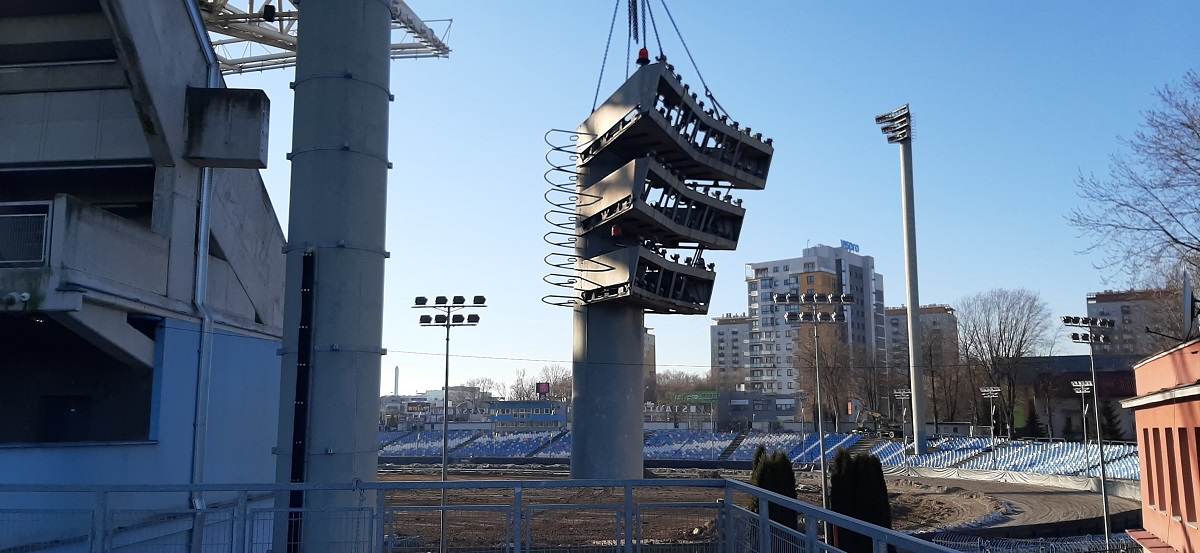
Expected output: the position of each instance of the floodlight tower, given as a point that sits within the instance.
(1091, 339)
(653, 173)
(896, 127)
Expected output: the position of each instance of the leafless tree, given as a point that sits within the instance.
(559, 377)
(523, 388)
(998, 329)
(1146, 212)
(672, 382)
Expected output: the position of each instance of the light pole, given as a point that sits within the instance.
(817, 319)
(903, 395)
(447, 319)
(1082, 387)
(896, 125)
(991, 393)
(1091, 338)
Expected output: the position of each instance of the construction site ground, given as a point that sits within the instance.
(918, 505)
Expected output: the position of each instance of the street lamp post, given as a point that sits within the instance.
(991, 393)
(903, 395)
(1082, 387)
(447, 318)
(1091, 338)
(816, 319)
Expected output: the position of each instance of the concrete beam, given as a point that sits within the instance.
(107, 328)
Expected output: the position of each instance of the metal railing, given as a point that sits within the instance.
(24, 234)
(618, 516)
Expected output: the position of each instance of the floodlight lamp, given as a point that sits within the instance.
(1081, 383)
(791, 318)
(457, 319)
(479, 300)
(778, 298)
(459, 300)
(421, 300)
(839, 317)
(847, 298)
(820, 298)
(892, 116)
(440, 300)
(808, 298)
(791, 298)
(473, 319)
(440, 319)
(1077, 337)
(426, 319)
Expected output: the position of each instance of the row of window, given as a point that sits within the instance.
(535, 411)
(530, 424)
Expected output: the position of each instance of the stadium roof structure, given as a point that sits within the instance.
(253, 35)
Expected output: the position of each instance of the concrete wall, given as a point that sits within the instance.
(242, 423)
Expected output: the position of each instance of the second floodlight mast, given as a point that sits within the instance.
(896, 125)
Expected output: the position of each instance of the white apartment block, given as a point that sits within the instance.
(763, 355)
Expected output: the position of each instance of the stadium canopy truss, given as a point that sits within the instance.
(252, 35)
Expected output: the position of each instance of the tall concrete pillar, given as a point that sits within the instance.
(335, 262)
(608, 372)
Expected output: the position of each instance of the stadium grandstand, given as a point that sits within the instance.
(1040, 456)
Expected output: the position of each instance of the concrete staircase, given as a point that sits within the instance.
(732, 446)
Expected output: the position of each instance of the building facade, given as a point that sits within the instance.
(769, 355)
(939, 339)
(1133, 312)
(1167, 414)
(729, 339)
(141, 264)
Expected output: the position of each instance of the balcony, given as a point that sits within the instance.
(761, 378)
(57, 250)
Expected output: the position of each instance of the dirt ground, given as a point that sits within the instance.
(572, 516)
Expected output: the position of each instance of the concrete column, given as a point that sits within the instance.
(338, 213)
(606, 430)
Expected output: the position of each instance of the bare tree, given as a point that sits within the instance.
(522, 388)
(998, 329)
(672, 382)
(1146, 213)
(559, 377)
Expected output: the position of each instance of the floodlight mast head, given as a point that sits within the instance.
(896, 125)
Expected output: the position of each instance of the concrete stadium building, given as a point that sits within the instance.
(141, 268)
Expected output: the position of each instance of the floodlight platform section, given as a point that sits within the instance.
(644, 198)
(644, 278)
(653, 112)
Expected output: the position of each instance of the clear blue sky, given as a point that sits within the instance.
(1011, 101)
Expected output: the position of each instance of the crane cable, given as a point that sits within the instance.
(639, 31)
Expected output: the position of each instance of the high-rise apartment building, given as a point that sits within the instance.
(939, 339)
(765, 350)
(728, 337)
(1132, 312)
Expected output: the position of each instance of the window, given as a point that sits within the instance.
(790, 385)
(786, 268)
(810, 266)
(775, 269)
(790, 372)
(733, 332)
(789, 360)
(753, 285)
(810, 279)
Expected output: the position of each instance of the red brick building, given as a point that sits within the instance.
(1167, 415)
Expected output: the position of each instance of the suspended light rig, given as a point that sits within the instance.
(654, 171)
(253, 35)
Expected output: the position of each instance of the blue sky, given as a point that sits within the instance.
(1011, 101)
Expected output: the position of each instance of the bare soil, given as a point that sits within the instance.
(585, 516)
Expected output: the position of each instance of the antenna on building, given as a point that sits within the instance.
(1189, 306)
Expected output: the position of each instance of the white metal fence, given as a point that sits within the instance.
(611, 516)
